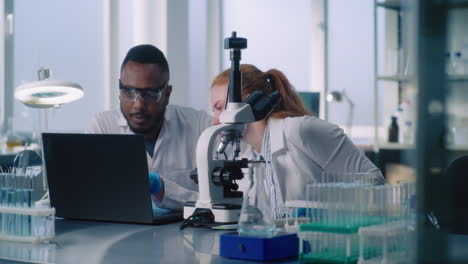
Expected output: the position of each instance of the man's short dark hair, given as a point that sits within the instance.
(147, 54)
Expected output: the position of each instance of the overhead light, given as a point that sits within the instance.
(48, 93)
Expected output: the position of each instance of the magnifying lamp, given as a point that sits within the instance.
(48, 93)
(45, 94)
(336, 96)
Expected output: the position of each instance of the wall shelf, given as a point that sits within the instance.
(406, 78)
(394, 78)
(458, 4)
(458, 78)
(395, 5)
(400, 146)
(457, 147)
(396, 146)
(395, 65)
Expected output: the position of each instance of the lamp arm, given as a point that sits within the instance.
(346, 97)
(351, 113)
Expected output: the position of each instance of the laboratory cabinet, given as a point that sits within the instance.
(395, 73)
(395, 69)
(421, 78)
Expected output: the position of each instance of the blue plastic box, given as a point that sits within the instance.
(256, 248)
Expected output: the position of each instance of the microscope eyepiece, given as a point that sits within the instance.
(262, 106)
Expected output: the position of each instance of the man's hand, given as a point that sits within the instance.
(157, 185)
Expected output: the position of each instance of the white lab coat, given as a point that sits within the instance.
(303, 147)
(174, 152)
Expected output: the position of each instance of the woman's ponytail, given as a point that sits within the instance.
(267, 82)
(291, 103)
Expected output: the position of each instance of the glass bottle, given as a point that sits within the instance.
(457, 64)
(448, 64)
(393, 131)
(408, 133)
(257, 218)
(11, 138)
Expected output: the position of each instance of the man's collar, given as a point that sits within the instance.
(122, 120)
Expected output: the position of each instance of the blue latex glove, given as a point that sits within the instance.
(155, 182)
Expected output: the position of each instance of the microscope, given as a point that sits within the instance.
(219, 200)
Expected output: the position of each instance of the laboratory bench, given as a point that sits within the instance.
(113, 243)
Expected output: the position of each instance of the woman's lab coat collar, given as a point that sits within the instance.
(275, 126)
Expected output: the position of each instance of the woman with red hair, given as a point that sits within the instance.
(298, 147)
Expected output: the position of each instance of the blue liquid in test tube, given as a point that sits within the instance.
(2, 199)
(10, 218)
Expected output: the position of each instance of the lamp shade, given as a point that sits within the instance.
(48, 93)
(334, 96)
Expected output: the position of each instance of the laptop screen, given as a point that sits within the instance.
(98, 177)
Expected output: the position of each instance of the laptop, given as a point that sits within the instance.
(101, 177)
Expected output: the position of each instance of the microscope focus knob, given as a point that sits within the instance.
(217, 176)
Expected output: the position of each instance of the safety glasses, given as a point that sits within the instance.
(148, 95)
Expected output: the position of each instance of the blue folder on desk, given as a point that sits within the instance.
(101, 177)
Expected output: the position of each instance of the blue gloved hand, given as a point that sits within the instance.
(155, 182)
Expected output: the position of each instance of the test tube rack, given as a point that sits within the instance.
(339, 246)
(27, 252)
(20, 219)
(27, 224)
(339, 210)
(388, 243)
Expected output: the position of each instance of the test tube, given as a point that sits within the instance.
(10, 202)
(374, 204)
(332, 204)
(349, 203)
(318, 211)
(355, 202)
(18, 202)
(2, 198)
(27, 189)
(325, 204)
(378, 202)
(390, 195)
(399, 202)
(314, 193)
(321, 202)
(310, 198)
(354, 192)
(405, 200)
(346, 204)
(338, 201)
(386, 190)
(332, 192)
(341, 204)
(365, 200)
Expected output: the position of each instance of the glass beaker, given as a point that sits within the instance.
(257, 217)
